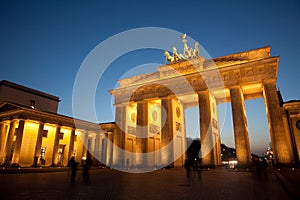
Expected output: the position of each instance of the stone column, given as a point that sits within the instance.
(242, 144)
(104, 149)
(38, 146)
(55, 146)
(109, 154)
(218, 150)
(119, 138)
(282, 152)
(9, 142)
(71, 145)
(206, 134)
(167, 135)
(142, 133)
(2, 134)
(2, 142)
(85, 138)
(97, 148)
(19, 138)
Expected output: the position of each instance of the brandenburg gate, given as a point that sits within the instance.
(150, 107)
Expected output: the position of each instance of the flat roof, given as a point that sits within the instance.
(29, 90)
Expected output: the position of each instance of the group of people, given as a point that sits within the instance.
(86, 164)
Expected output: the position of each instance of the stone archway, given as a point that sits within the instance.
(197, 82)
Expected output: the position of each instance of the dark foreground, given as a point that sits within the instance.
(173, 184)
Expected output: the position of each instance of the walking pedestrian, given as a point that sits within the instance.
(73, 164)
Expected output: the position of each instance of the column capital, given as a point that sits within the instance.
(202, 91)
(169, 97)
(142, 101)
(122, 104)
(269, 82)
(235, 87)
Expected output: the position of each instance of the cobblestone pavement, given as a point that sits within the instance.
(173, 184)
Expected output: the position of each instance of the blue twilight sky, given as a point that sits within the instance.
(43, 44)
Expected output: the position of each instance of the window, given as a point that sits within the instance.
(61, 136)
(32, 103)
(45, 133)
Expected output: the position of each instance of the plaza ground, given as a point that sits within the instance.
(219, 183)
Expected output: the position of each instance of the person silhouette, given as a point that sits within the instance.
(73, 164)
(86, 166)
(187, 166)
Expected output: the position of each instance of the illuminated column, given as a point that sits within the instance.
(142, 133)
(85, 138)
(109, 153)
(1, 136)
(242, 144)
(208, 144)
(167, 146)
(38, 145)
(218, 149)
(55, 146)
(3, 131)
(119, 143)
(71, 146)
(19, 138)
(97, 147)
(104, 149)
(9, 142)
(282, 152)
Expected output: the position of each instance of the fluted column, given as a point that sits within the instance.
(242, 144)
(167, 146)
(19, 139)
(55, 146)
(142, 133)
(71, 145)
(9, 142)
(282, 151)
(206, 133)
(38, 146)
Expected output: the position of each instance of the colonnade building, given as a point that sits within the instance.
(33, 134)
(149, 128)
